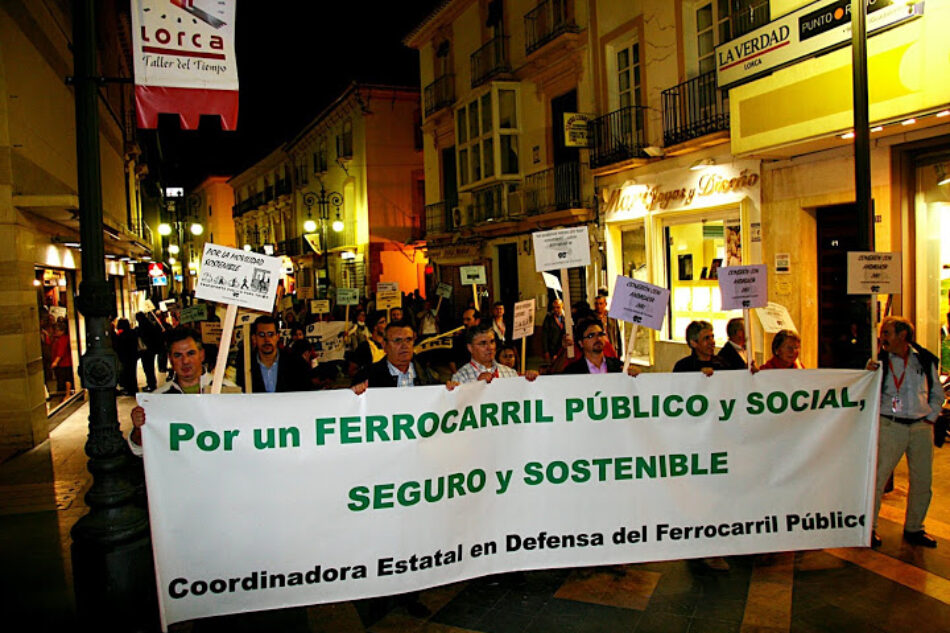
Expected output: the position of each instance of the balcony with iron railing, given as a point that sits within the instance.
(545, 22)
(291, 248)
(490, 204)
(694, 108)
(283, 187)
(617, 136)
(439, 218)
(439, 94)
(490, 60)
(748, 15)
(554, 189)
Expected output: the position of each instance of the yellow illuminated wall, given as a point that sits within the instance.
(813, 98)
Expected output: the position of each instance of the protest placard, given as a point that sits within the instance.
(388, 299)
(197, 312)
(471, 275)
(561, 248)
(320, 306)
(523, 322)
(305, 292)
(327, 339)
(444, 290)
(744, 287)
(238, 277)
(422, 487)
(210, 333)
(347, 296)
(775, 317)
(639, 303)
(874, 273)
(387, 286)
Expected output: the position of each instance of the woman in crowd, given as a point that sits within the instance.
(785, 348)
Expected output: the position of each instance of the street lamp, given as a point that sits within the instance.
(323, 200)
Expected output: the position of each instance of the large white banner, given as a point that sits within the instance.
(274, 500)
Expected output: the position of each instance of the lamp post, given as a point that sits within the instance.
(177, 228)
(323, 200)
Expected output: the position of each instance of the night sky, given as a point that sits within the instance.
(293, 60)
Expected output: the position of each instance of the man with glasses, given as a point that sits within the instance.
(398, 368)
(483, 366)
(590, 334)
(271, 371)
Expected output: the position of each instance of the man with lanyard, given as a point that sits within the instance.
(481, 343)
(271, 371)
(397, 368)
(911, 399)
(593, 340)
(611, 327)
(187, 359)
(702, 342)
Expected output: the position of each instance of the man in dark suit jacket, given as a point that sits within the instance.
(733, 352)
(271, 371)
(589, 334)
(399, 368)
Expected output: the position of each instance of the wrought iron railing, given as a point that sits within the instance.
(545, 22)
(617, 136)
(439, 218)
(440, 94)
(489, 204)
(694, 108)
(555, 188)
(490, 60)
(748, 15)
(283, 187)
(292, 247)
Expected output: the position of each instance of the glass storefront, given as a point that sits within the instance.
(932, 219)
(633, 245)
(697, 246)
(58, 334)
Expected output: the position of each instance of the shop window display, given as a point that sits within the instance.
(57, 336)
(696, 250)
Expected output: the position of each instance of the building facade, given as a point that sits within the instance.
(500, 79)
(682, 172)
(39, 206)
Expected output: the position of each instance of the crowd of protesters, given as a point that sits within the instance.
(417, 344)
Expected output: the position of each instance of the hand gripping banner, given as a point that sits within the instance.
(275, 500)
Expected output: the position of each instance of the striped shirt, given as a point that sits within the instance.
(469, 372)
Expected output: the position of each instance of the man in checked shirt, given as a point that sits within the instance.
(480, 341)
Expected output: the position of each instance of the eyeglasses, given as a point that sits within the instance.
(267, 334)
(407, 340)
(594, 335)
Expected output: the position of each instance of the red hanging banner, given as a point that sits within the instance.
(184, 61)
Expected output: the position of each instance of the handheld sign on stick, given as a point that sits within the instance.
(744, 288)
(237, 278)
(473, 275)
(874, 274)
(523, 325)
(562, 249)
(639, 303)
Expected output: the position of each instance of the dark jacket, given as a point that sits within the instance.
(579, 366)
(730, 358)
(293, 374)
(378, 375)
(692, 363)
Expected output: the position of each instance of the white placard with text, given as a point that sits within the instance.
(639, 302)
(561, 248)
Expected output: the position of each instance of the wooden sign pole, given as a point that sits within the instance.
(568, 321)
(747, 326)
(246, 335)
(874, 316)
(628, 352)
(438, 305)
(524, 345)
(475, 296)
(221, 363)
